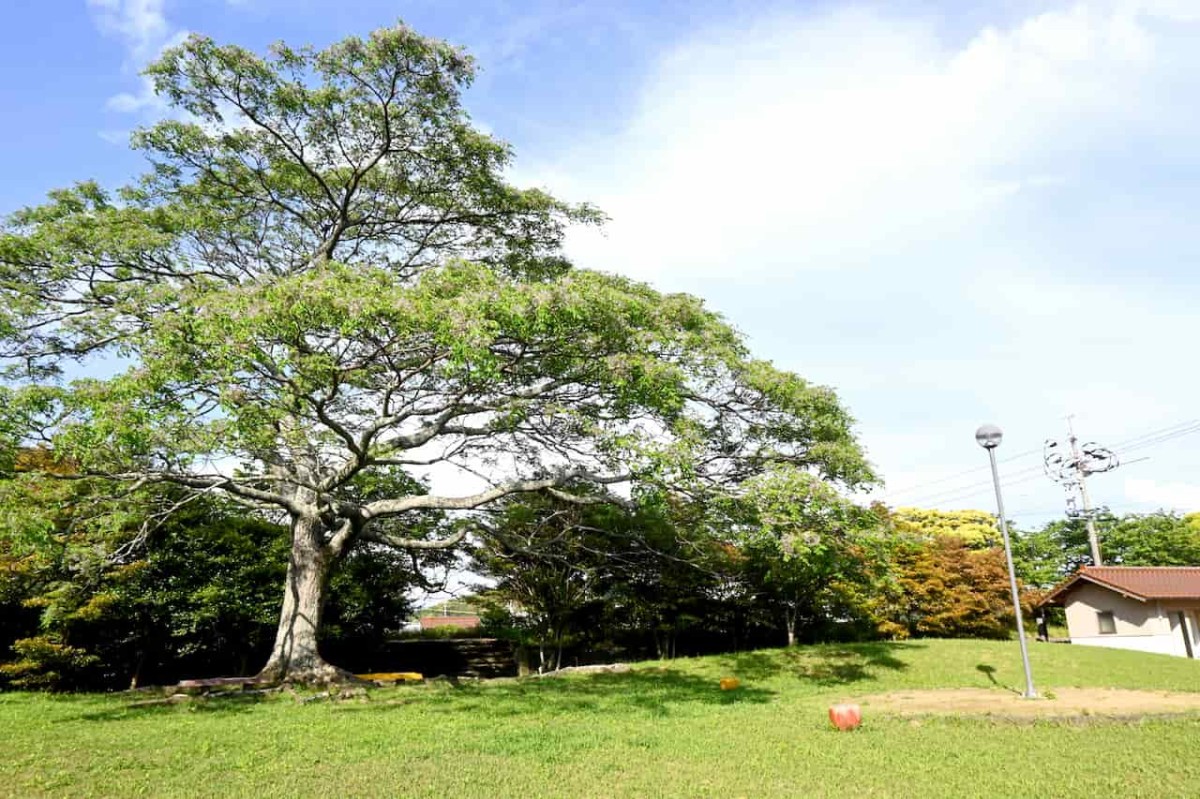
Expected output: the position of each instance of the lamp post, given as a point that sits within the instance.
(988, 436)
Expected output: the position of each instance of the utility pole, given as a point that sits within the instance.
(1072, 471)
(1093, 540)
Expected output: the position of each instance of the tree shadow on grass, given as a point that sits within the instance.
(650, 690)
(215, 705)
(822, 665)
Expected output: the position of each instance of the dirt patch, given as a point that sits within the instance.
(1057, 702)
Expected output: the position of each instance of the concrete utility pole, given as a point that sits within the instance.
(1077, 457)
(1071, 470)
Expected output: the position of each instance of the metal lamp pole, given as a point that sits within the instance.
(988, 436)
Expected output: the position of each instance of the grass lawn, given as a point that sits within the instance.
(661, 730)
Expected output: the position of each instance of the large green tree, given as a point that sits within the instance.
(324, 276)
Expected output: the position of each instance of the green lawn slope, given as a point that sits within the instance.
(662, 730)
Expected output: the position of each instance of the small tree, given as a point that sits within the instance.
(668, 576)
(807, 546)
(541, 555)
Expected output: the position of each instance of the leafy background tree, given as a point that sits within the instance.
(1046, 556)
(974, 527)
(201, 598)
(601, 579)
(812, 552)
(945, 588)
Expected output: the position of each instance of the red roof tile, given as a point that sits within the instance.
(1139, 582)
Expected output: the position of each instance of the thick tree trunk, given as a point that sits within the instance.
(294, 657)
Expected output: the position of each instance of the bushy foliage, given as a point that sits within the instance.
(974, 527)
(43, 661)
(200, 598)
(946, 589)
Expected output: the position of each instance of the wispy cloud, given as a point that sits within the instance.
(143, 29)
(140, 24)
(119, 137)
(856, 131)
(950, 230)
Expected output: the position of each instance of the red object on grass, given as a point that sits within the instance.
(845, 716)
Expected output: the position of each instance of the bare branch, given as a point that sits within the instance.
(397, 542)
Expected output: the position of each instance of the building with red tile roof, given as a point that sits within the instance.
(1146, 608)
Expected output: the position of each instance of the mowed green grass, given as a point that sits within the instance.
(663, 730)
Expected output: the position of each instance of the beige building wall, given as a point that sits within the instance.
(1142, 626)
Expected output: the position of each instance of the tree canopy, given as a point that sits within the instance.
(975, 527)
(815, 554)
(1046, 556)
(324, 278)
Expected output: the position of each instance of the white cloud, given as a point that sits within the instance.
(926, 222)
(1169, 495)
(144, 30)
(808, 142)
(143, 100)
(140, 24)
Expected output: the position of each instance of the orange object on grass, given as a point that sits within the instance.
(845, 716)
(729, 683)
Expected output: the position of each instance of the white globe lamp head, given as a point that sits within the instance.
(988, 436)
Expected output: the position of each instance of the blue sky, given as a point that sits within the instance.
(951, 212)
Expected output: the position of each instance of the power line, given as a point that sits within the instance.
(1072, 471)
(1192, 424)
(969, 491)
(1154, 441)
(956, 475)
(1142, 441)
(1127, 506)
(953, 493)
(975, 487)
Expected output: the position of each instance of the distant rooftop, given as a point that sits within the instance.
(1142, 583)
